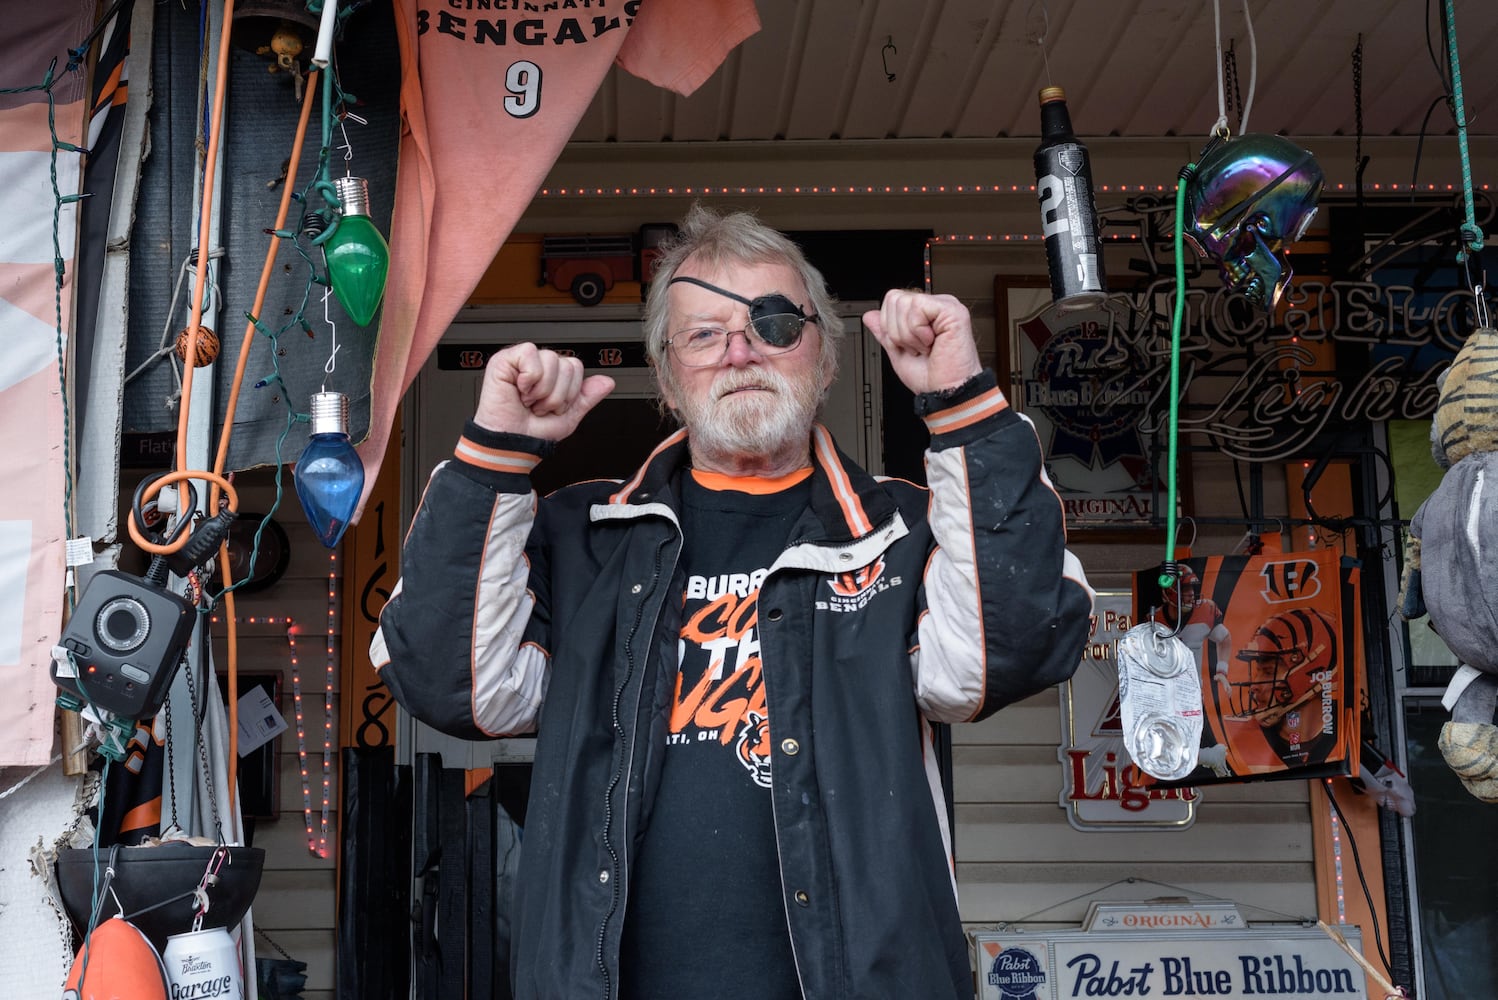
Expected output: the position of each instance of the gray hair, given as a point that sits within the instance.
(714, 239)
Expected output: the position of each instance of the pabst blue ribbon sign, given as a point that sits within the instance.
(1287, 963)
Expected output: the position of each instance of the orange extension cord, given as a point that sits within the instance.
(216, 478)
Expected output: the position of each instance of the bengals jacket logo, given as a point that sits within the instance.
(858, 581)
(1290, 580)
(752, 748)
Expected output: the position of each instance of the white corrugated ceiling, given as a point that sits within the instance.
(876, 69)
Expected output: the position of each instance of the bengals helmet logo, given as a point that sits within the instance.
(1290, 580)
(859, 580)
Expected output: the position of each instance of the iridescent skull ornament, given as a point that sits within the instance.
(1247, 199)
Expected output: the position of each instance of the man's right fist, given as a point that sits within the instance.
(536, 392)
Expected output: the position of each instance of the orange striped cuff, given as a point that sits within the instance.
(495, 459)
(967, 413)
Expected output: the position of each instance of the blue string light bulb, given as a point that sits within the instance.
(357, 255)
(329, 476)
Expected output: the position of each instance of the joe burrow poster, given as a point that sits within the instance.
(1278, 641)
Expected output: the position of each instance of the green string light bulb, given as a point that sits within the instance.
(358, 256)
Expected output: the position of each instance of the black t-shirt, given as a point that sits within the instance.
(705, 914)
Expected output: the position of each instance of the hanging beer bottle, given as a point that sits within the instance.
(1063, 182)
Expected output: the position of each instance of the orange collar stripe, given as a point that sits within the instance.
(842, 487)
(759, 485)
(622, 495)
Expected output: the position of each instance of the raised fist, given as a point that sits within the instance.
(536, 392)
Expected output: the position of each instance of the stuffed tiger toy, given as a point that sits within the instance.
(1446, 573)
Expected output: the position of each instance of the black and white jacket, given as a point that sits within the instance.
(892, 607)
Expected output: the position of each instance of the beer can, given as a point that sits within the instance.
(1063, 183)
(203, 965)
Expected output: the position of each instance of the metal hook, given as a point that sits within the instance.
(347, 147)
(1170, 576)
(327, 316)
(884, 53)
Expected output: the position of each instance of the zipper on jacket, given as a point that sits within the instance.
(626, 766)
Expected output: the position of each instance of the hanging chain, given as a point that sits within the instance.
(273, 943)
(202, 748)
(171, 774)
(201, 903)
(1357, 99)
(1230, 79)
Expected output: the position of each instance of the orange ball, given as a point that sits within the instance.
(121, 965)
(207, 347)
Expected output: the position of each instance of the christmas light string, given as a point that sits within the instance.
(317, 837)
(616, 191)
(1337, 866)
(331, 650)
(316, 841)
(60, 201)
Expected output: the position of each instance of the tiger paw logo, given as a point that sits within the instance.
(752, 747)
(854, 589)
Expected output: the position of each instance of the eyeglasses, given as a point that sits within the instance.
(775, 326)
(769, 334)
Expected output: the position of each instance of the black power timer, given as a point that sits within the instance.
(127, 636)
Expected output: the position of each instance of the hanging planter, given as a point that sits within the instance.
(156, 886)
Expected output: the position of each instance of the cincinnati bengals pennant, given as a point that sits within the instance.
(1278, 639)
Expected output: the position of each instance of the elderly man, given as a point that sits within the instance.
(732, 660)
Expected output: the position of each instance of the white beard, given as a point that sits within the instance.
(758, 422)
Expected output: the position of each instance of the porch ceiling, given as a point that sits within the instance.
(897, 69)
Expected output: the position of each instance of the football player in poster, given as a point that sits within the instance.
(1195, 620)
(1292, 685)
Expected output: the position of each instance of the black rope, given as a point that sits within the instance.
(1357, 862)
(1437, 61)
(1420, 142)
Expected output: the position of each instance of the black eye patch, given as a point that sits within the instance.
(776, 320)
